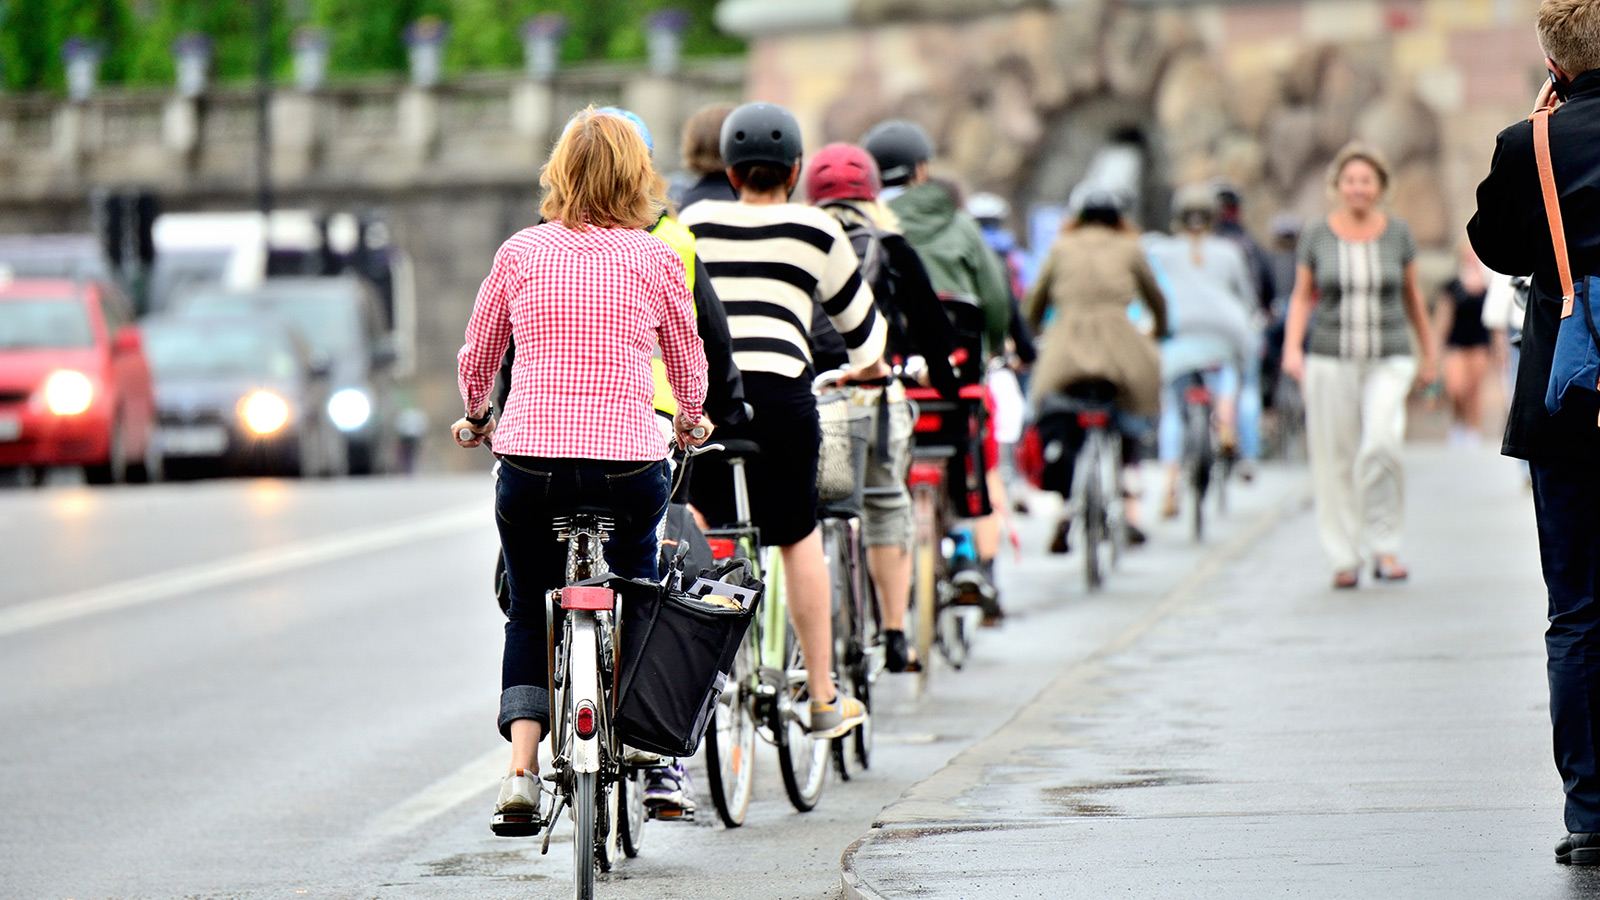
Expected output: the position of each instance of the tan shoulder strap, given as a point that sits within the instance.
(1552, 206)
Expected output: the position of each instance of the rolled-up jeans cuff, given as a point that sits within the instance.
(523, 701)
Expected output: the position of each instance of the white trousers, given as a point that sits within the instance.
(1355, 428)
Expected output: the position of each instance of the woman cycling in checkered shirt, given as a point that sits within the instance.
(589, 296)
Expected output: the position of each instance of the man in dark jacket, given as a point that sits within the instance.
(1511, 235)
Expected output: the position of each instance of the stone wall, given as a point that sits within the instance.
(1263, 93)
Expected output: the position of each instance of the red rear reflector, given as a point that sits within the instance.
(926, 473)
(585, 722)
(721, 548)
(597, 598)
(929, 422)
(1097, 418)
(1197, 394)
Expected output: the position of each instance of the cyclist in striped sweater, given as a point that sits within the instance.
(772, 262)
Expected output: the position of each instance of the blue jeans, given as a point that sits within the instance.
(530, 494)
(1566, 502)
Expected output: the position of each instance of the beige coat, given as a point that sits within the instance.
(1092, 274)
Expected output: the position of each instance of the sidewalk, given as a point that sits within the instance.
(1259, 734)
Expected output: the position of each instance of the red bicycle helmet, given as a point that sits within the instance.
(842, 172)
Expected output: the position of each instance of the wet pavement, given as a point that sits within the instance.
(1260, 734)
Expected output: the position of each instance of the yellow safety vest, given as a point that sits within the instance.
(680, 239)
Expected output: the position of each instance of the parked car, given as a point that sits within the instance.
(74, 385)
(340, 319)
(241, 394)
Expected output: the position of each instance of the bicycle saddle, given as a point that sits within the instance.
(738, 446)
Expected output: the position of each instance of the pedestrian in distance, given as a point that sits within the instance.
(842, 180)
(1518, 231)
(1464, 347)
(1358, 270)
(773, 262)
(590, 295)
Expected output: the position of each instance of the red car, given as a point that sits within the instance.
(74, 386)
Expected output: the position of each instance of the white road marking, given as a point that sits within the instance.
(204, 576)
(444, 794)
(451, 791)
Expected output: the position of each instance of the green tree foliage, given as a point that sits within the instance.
(366, 36)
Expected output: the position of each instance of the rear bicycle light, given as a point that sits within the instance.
(929, 422)
(721, 548)
(585, 720)
(1197, 394)
(1097, 418)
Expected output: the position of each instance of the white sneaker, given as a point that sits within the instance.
(516, 813)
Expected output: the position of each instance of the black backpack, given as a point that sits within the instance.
(867, 242)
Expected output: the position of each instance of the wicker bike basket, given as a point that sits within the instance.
(842, 460)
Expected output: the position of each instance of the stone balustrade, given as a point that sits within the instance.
(365, 136)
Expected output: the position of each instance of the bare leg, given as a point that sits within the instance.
(525, 737)
(806, 583)
(891, 572)
(986, 531)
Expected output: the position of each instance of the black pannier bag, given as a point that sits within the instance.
(676, 654)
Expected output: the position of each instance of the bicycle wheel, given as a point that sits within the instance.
(870, 659)
(585, 833)
(802, 759)
(631, 817)
(1116, 502)
(924, 585)
(1094, 512)
(1199, 456)
(835, 549)
(731, 749)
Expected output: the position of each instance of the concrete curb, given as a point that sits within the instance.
(854, 887)
(936, 792)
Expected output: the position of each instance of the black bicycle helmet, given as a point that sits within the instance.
(897, 145)
(760, 133)
(1101, 207)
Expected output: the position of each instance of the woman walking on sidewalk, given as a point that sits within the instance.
(1359, 265)
(1459, 327)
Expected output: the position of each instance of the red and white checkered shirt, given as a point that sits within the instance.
(587, 310)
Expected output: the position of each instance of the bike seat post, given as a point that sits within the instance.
(741, 491)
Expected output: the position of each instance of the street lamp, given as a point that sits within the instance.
(81, 57)
(310, 58)
(192, 51)
(425, 39)
(541, 44)
(663, 32)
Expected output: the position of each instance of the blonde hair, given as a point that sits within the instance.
(702, 139)
(600, 174)
(1569, 32)
(1355, 152)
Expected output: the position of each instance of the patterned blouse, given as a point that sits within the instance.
(1361, 310)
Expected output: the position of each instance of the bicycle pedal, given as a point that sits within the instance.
(515, 824)
(670, 815)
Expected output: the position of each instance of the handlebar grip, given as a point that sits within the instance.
(699, 432)
(466, 434)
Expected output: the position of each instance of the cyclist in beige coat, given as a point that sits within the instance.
(1095, 269)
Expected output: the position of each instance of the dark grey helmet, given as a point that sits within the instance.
(761, 132)
(897, 145)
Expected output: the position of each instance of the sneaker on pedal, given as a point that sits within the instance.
(836, 719)
(668, 792)
(516, 813)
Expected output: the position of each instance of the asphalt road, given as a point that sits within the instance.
(254, 689)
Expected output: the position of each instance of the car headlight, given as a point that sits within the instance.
(68, 393)
(264, 412)
(349, 409)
